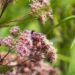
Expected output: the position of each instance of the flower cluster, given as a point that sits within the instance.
(31, 49)
(42, 6)
(38, 4)
(38, 68)
(30, 44)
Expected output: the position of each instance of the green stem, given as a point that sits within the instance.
(2, 59)
(16, 20)
(62, 21)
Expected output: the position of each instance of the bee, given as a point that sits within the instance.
(32, 31)
(4, 4)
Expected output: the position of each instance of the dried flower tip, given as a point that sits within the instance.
(50, 14)
(43, 18)
(15, 30)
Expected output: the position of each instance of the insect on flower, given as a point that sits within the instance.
(32, 31)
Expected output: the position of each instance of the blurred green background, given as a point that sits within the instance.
(60, 30)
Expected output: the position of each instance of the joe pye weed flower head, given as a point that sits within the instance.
(31, 50)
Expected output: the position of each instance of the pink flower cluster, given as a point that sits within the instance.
(38, 4)
(24, 43)
(7, 41)
(42, 8)
(30, 44)
(34, 47)
(37, 68)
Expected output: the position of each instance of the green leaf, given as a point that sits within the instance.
(63, 58)
(71, 70)
(4, 69)
(61, 22)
